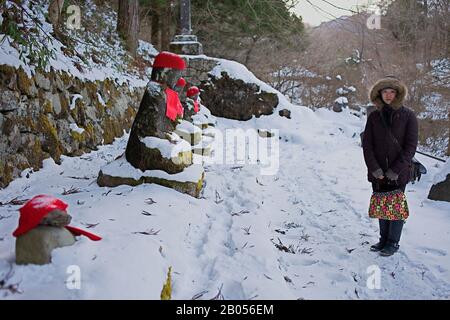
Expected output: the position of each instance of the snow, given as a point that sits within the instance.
(43, 201)
(122, 168)
(75, 97)
(100, 99)
(74, 127)
(341, 100)
(443, 173)
(315, 205)
(436, 107)
(301, 232)
(188, 127)
(168, 149)
(339, 77)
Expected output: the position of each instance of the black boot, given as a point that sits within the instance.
(384, 233)
(395, 232)
(389, 249)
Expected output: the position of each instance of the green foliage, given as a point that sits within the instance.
(248, 17)
(25, 30)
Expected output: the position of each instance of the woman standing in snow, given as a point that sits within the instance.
(389, 144)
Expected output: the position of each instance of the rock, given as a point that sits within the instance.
(189, 132)
(9, 101)
(285, 113)
(8, 77)
(56, 218)
(25, 84)
(56, 103)
(441, 190)
(265, 133)
(189, 181)
(337, 107)
(42, 81)
(186, 45)
(235, 99)
(36, 246)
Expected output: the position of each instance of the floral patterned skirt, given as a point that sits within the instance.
(390, 205)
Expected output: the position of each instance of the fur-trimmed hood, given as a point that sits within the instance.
(388, 82)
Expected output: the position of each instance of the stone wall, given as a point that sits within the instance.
(40, 117)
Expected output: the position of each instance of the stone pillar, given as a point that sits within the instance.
(186, 43)
(185, 17)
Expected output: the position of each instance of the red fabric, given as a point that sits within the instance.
(169, 60)
(192, 91)
(32, 212)
(80, 232)
(196, 106)
(35, 209)
(172, 104)
(181, 83)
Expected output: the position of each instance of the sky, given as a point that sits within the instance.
(318, 11)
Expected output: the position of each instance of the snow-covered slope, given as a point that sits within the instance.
(300, 233)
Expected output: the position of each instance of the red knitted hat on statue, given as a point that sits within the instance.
(171, 60)
(192, 91)
(35, 209)
(181, 82)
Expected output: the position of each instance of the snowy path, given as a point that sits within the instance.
(234, 239)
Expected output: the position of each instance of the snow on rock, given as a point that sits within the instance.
(60, 62)
(442, 174)
(74, 127)
(188, 127)
(122, 168)
(341, 100)
(74, 99)
(167, 148)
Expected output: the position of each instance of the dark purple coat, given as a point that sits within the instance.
(380, 150)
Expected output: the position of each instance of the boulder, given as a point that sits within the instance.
(285, 113)
(235, 99)
(441, 190)
(120, 171)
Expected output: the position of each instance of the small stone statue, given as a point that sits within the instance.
(44, 226)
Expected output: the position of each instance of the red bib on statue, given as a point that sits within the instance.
(172, 104)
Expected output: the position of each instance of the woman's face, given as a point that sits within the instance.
(388, 95)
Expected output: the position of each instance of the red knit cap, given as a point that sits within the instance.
(35, 209)
(171, 60)
(192, 91)
(181, 82)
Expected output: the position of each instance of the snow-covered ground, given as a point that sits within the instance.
(232, 238)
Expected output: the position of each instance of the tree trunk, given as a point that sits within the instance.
(54, 12)
(166, 20)
(128, 23)
(156, 39)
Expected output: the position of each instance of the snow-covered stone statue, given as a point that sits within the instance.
(196, 111)
(155, 152)
(156, 120)
(44, 226)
